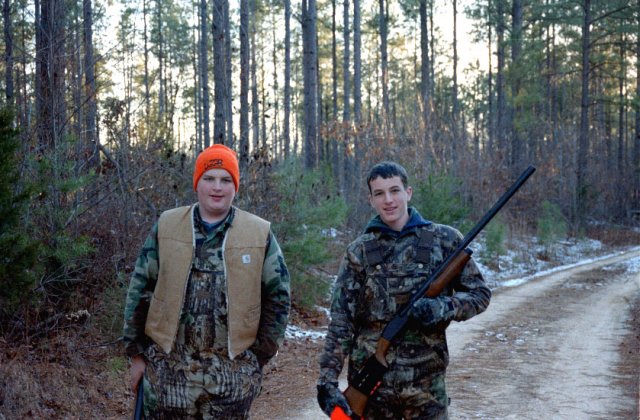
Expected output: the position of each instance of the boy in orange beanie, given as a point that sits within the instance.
(208, 301)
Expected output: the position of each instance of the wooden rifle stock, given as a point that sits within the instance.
(368, 379)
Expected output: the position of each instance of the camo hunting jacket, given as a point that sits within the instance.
(367, 296)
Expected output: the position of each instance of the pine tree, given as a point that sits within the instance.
(17, 250)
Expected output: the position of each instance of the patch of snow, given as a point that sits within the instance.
(294, 332)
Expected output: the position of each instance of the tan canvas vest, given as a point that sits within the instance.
(244, 249)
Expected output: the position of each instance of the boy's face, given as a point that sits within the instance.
(390, 200)
(216, 192)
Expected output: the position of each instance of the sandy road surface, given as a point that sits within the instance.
(561, 346)
(551, 349)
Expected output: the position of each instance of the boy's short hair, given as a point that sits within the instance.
(387, 170)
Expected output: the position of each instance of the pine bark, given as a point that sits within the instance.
(583, 134)
(309, 36)
(91, 114)
(244, 83)
(8, 50)
(286, 129)
(204, 74)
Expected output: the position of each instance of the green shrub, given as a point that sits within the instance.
(18, 250)
(43, 256)
(306, 211)
(53, 219)
(438, 199)
(495, 234)
(108, 319)
(551, 226)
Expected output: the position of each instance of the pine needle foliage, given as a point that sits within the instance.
(18, 251)
(438, 199)
(308, 213)
(551, 226)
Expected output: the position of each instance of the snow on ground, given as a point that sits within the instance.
(523, 261)
(294, 332)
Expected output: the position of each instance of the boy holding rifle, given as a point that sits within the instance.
(380, 270)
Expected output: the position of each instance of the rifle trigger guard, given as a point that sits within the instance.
(369, 377)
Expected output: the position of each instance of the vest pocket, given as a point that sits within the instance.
(252, 315)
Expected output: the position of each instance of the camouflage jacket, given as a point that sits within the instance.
(275, 289)
(365, 297)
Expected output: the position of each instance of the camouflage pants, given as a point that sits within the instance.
(200, 386)
(407, 392)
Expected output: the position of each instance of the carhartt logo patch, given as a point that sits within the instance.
(246, 259)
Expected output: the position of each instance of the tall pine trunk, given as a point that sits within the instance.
(455, 120)
(51, 111)
(91, 132)
(204, 74)
(424, 69)
(346, 61)
(286, 130)
(255, 100)
(309, 37)
(147, 89)
(501, 110)
(228, 85)
(244, 83)
(635, 162)
(517, 146)
(384, 61)
(219, 72)
(583, 134)
(8, 51)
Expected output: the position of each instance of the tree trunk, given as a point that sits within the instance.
(635, 162)
(583, 135)
(244, 84)
(424, 68)
(147, 89)
(346, 59)
(500, 93)
(219, 72)
(228, 85)
(277, 146)
(491, 124)
(517, 152)
(455, 141)
(8, 51)
(357, 67)
(51, 113)
(255, 101)
(287, 79)
(309, 36)
(91, 134)
(335, 156)
(384, 66)
(622, 100)
(204, 74)
(162, 90)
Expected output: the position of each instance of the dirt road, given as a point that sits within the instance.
(565, 345)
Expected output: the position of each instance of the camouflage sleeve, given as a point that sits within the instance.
(141, 286)
(341, 331)
(276, 301)
(471, 294)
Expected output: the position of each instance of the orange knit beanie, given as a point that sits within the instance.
(217, 156)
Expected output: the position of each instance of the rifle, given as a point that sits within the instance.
(369, 378)
(138, 413)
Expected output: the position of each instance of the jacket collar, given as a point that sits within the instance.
(415, 221)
